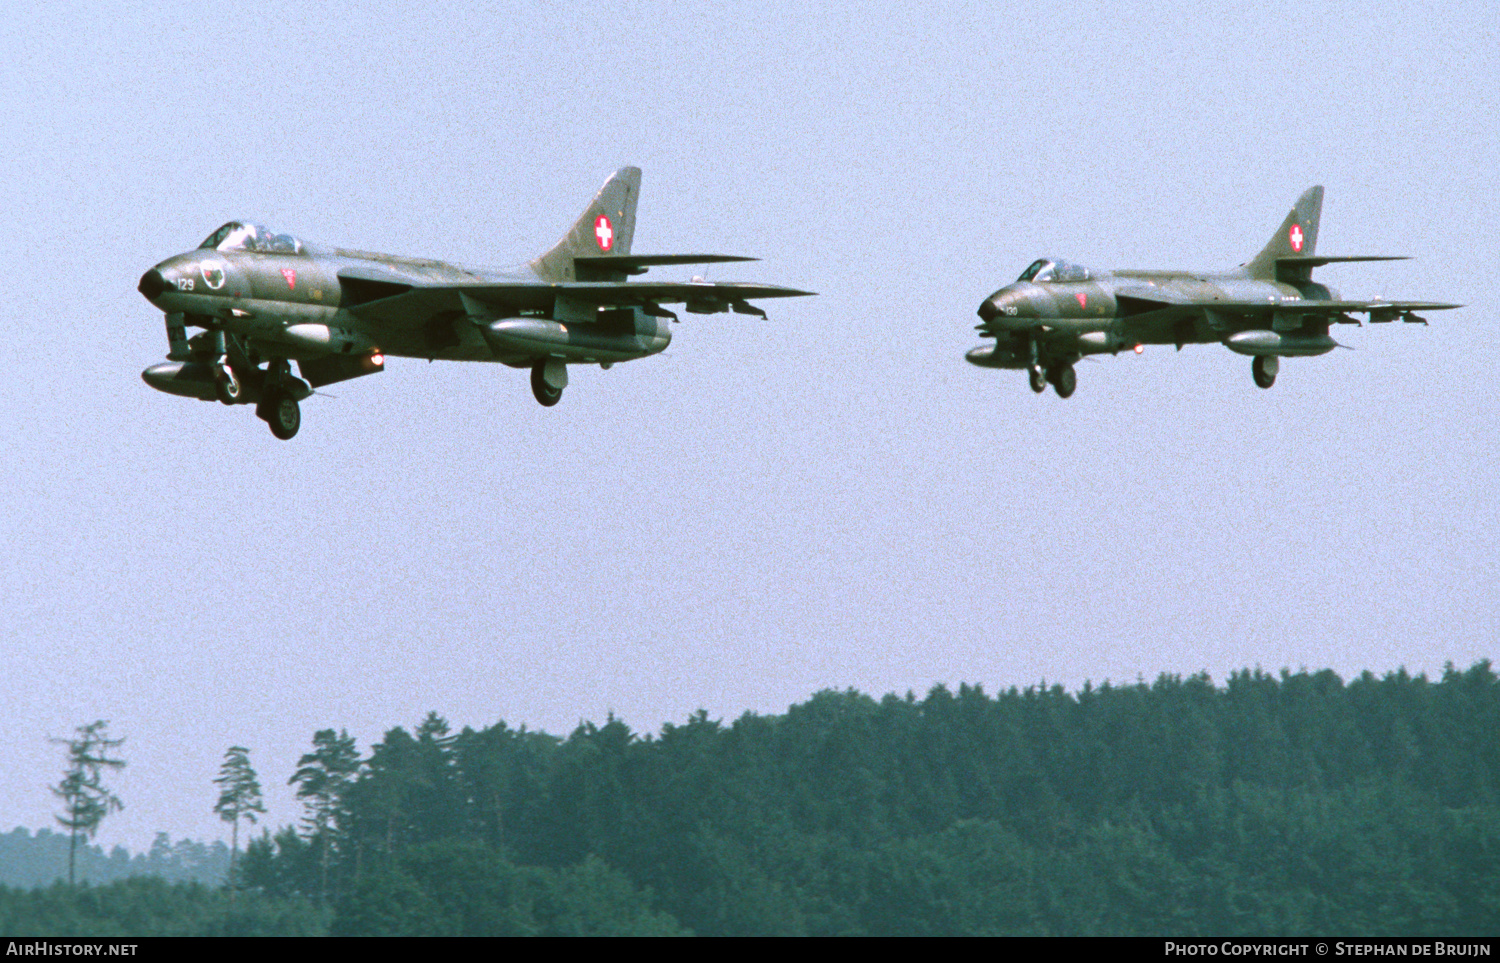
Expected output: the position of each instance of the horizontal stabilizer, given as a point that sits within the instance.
(640, 292)
(655, 260)
(1310, 261)
(591, 268)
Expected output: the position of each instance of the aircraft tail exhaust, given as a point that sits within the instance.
(606, 227)
(1297, 237)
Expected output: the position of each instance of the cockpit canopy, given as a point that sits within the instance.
(1044, 271)
(238, 236)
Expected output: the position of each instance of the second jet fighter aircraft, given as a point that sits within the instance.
(1267, 308)
(266, 300)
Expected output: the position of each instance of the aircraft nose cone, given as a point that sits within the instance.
(1005, 303)
(152, 284)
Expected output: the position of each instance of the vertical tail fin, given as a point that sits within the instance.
(607, 226)
(1297, 236)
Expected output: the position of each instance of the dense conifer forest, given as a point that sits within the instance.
(29, 861)
(1292, 804)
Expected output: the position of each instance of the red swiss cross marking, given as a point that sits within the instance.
(291, 277)
(604, 233)
(1295, 236)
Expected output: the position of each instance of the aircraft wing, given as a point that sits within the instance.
(1333, 310)
(1156, 319)
(417, 302)
(1146, 300)
(1324, 307)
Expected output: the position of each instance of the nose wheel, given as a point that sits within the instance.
(1060, 376)
(227, 388)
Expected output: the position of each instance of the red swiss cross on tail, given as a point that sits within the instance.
(604, 231)
(1294, 241)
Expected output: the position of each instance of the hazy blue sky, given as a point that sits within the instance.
(832, 498)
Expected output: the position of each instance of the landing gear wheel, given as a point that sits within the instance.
(546, 395)
(227, 388)
(1264, 368)
(1064, 379)
(285, 418)
(1038, 379)
(282, 413)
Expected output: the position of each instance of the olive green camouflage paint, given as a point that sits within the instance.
(266, 300)
(1267, 308)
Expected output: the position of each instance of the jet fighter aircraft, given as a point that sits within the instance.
(1267, 308)
(266, 299)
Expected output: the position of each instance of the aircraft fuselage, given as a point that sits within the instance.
(1267, 308)
(298, 307)
(1161, 307)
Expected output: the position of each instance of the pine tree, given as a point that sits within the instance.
(239, 796)
(323, 779)
(82, 789)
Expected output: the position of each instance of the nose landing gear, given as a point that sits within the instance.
(229, 389)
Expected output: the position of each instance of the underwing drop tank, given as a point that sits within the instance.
(1275, 343)
(187, 379)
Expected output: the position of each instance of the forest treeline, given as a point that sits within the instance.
(30, 861)
(1274, 804)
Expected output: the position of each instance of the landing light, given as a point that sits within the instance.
(377, 359)
(1139, 348)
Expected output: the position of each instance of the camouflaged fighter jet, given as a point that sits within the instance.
(1267, 308)
(267, 299)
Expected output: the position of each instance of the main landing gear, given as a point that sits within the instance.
(277, 405)
(1264, 367)
(1064, 379)
(281, 412)
(1059, 376)
(548, 379)
(220, 366)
